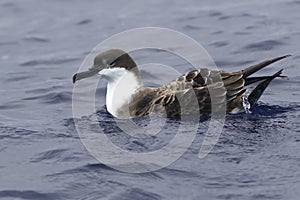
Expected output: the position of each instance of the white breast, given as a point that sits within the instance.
(122, 84)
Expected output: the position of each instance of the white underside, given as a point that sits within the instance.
(122, 84)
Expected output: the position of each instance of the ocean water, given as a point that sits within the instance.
(42, 44)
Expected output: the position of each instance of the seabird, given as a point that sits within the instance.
(127, 97)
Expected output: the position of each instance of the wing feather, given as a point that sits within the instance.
(178, 97)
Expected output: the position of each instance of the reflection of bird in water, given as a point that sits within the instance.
(127, 97)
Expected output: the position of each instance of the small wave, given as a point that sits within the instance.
(264, 45)
(57, 155)
(219, 44)
(43, 90)
(94, 167)
(36, 38)
(19, 78)
(50, 154)
(178, 173)
(29, 194)
(241, 33)
(271, 110)
(8, 43)
(267, 110)
(50, 61)
(14, 133)
(52, 98)
(11, 105)
(224, 18)
(191, 27)
(215, 14)
(84, 21)
(136, 193)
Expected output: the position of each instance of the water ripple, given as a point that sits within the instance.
(15, 133)
(29, 194)
(264, 45)
(136, 193)
(52, 98)
(51, 61)
(36, 38)
(84, 21)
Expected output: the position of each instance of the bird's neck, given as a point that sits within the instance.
(120, 90)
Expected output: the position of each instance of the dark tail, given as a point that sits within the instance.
(254, 68)
(260, 88)
(251, 80)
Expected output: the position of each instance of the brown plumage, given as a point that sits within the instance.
(202, 85)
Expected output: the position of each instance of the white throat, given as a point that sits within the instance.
(122, 84)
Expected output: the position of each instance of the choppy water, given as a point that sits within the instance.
(42, 44)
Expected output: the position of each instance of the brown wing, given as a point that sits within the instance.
(191, 101)
(190, 93)
(208, 86)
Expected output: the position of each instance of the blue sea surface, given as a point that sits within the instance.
(43, 43)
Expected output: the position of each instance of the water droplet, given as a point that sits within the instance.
(246, 103)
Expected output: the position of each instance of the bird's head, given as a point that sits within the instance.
(109, 64)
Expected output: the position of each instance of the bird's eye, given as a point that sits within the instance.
(112, 64)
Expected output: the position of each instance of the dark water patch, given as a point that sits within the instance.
(50, 154)
(111, 127)
(224, 18)
(263, 109)
(191, 27)
(230, 196)
(248, 133)
(12, 105)
(101, 167)
(246, 15)
(264, 45)
(84, 21)
(57, 155)
(29, 194)
(18, 78)
(219, 44)
(217, 32)
(8, 4)
(43, 90)
(178, 173)
(233, 159)
(70, 123)
(36, 38)
(248, 28)
(293, 2)
(95, 166)
(241, 33)
(215, 14)
(8, 43)
(267, 196)
(136, 194)
(126, 135)
(186, 18)
(11, 6)
(50, 61)
(7, 132)
(217, 183)
(88, 168)
(52, 98)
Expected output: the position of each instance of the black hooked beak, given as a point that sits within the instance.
(86, 74)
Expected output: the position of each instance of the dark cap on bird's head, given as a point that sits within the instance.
(114, 58)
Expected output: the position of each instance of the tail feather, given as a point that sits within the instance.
(260, 88)
(254, 68)
(251, 80)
